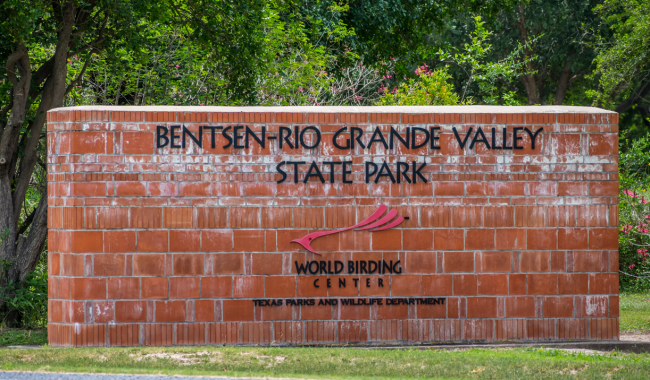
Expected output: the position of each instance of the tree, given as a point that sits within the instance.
(623, 66)
(557, 52)
(37, 42)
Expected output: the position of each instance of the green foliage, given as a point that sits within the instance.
(484, 73)
(624, 63)
(19, 337)
(634, 216)
(28, 299)
(430, 89)
(482, 78)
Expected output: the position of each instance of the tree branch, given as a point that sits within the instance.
(27, 222)
(11, 63)
(77, 80)
(52, 97)
(563, 83)
(643, 90)
(30, 251)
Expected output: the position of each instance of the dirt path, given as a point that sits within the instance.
(637, 337)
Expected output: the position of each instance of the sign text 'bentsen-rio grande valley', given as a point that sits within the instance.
(240, 137)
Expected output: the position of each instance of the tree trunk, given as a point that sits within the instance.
(23, 252)
(529, 80)
(562, 84)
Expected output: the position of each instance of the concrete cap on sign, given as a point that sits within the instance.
(354, 109)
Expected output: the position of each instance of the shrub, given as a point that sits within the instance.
(430, 88)
(28, 299)
(634, 216)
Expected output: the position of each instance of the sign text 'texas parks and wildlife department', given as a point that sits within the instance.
(240, 137)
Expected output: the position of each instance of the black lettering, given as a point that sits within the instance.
(323, 267)
(301, 267)
(462, 144)
(385, 266)
(380, 282)
(363, 268)
(483, 139)
(533, 136)
(357, 139)
(394, 134)
(515, 138)
(225, 134)
(377, 136)
(163, 136)
(338, 269)
(372, 270)
(384, 167)
(318, 173)
(213, 135)
(505, 143)
(261, 141)
(367, 282)
(416, 172)
(494, 139)
(237, 137)
(279, 169)
(295, 169)
(368, 175)
(310, 265)
(341, 283)
(285, 139)
(302, 137)
(434, 138)
(402, 170)
(356, 282)
(316, 283)
(336, 135)
(413, 135)
(346, 172)
(199, 141)
(350, 266)
(175, 136)
(296, 135)
(395, 267)
(329, 283)
(331, 165)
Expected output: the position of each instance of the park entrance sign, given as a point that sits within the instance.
(321, 225)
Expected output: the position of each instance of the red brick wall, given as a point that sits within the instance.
(153, 246)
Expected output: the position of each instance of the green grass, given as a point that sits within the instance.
(634, 312)
(331, 362)
(12, 337)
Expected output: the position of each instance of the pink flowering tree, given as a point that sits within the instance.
(634, 216)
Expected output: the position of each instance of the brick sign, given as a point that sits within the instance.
(311, 225)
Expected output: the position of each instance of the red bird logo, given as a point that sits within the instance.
(373, 223)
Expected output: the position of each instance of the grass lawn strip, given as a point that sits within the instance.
(332, 362)
(634, 312)
(15, 337)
